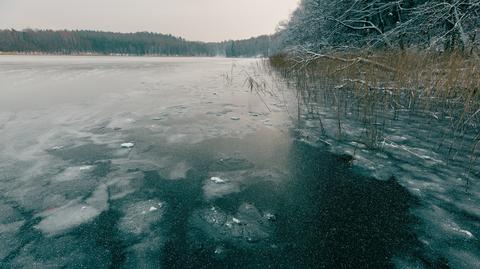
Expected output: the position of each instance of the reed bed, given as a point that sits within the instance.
(378, 88)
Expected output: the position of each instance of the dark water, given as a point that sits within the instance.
(325, 217)
(199, 188)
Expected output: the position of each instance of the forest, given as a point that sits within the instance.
(359, 24)
(142, 43)
(316, 25)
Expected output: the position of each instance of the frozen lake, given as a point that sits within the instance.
(124, 162)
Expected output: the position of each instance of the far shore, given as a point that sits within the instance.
(8, 53)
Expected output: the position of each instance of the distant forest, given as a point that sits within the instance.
(142, 43)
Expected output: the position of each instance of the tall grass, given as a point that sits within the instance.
(442, 87)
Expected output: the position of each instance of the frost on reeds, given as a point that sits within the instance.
(378, 88)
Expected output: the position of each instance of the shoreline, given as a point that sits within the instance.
(124, 55)
(107, 55)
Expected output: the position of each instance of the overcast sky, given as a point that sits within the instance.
(206, 20)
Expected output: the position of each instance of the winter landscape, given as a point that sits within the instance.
(319, 134)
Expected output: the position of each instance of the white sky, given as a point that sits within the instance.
(206, 20)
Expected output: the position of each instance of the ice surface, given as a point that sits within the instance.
(8, 214)
(216, 190)
(140, 216)
(220, 250)
(127, 145)
(8, 238)
(146, 254)
(67, 217)
(120, 183)
(243, 229)
(231, 164)
(65, 165)
(270, 217)
(61, 252)
(74, 213)
(177, 138)
(417, 150)
(74, 173)
(218, 180)
(223, 184)
(179, 171)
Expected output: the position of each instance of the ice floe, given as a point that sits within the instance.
(219, 250)
(218, 180)
(74, 213)
(120, 183)
(179, 171)
(140, 216)
(217, 187)
(128, 145)
(270, 217)
(74, 173)
(236, 221)
(242, 229)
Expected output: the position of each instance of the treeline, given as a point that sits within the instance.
(265, 45)
(352, 24)
(142, 43)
